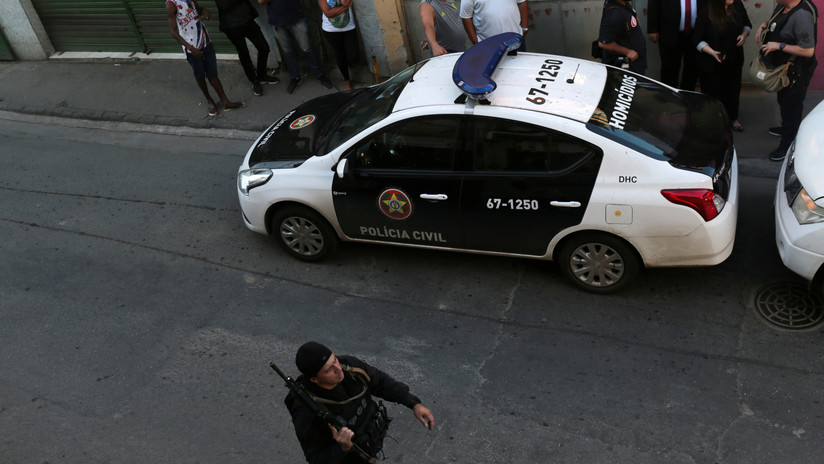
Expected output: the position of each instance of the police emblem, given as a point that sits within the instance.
(395, 204)
(302, 121)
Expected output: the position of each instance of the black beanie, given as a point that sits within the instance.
(311, 357)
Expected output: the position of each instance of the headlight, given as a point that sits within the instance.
(805, 209)
(251, 178)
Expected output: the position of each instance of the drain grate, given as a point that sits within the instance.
(789, 306)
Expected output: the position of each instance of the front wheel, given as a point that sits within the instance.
(598, 263)
(303, 233)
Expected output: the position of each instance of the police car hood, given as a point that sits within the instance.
(293, 138)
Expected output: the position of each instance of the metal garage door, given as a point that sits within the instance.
(116, 25)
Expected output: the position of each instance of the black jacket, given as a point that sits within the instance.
(721, 39)
(314, 435)
(664, 19)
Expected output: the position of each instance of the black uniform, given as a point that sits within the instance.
(620, 24)
(314, 434)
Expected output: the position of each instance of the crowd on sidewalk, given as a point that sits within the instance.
(699, 41)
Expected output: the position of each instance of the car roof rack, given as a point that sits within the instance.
(473, 70)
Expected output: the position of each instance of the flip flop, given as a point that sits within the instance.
(230, 108)
(212, 109)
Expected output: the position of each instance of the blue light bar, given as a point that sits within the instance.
(473, 70)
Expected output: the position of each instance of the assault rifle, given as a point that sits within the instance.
(335, 421)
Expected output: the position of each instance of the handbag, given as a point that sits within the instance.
(771, 79)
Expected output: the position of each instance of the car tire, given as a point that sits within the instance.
(598, 263)
(303, 233)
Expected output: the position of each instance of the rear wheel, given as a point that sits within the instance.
(598, 263)
(303, 233)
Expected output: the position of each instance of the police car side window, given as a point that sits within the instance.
(516, 147)
(415, 144)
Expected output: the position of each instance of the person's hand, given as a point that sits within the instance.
(741, 38)
(719, 57)
(346, 3)
(632, 55)
(343, 437)
(770, 47)
(207, 15)
(653, 37)
(760, 31)
(424, 415)
(437, 50)
(196, 53)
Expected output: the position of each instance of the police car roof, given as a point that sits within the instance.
(517, 78)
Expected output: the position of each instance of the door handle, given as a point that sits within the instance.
(566, 204)
(434, 196)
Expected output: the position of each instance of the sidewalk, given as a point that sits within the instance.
(161, 96)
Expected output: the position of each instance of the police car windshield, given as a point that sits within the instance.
(684, 128)
(368, 107)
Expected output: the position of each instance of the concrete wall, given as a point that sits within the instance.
(24, 31)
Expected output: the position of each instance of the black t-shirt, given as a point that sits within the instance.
(620, 24)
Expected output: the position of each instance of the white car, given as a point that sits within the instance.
(531, 155)
(799, 202)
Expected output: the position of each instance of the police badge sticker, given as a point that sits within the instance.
(395, 204)
(302, 121)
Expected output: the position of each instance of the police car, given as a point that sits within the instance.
(530, 155)
(799, 203)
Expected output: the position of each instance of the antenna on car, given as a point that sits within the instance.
(571, 80)
(473, 70)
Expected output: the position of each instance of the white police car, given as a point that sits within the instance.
(531, 155)
(799, 202)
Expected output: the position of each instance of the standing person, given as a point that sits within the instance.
(338, 24)
(484, 18)
(344, 385)
(289, 23)
(670, 25)
(237, 21)
(620, 35)
(189, 31)
(720, 31)
(790, 33)
(443, 27)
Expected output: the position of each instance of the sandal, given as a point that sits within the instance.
(232, 106)
(736, 126)
(212, 109)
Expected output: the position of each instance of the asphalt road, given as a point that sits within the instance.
(138, 317)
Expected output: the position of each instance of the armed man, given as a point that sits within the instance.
(335, 418)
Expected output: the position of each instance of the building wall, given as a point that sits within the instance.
(23, 30)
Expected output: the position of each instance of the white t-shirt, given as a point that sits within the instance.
(492, 17)
(340, 23)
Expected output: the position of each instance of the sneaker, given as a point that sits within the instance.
(776, 131)
(257, 88)
(324, 81)
(293, 85)
(778, 154)
(269, 80)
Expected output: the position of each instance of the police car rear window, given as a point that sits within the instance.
(641, 114)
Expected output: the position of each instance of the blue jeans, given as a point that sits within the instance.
(297, 34)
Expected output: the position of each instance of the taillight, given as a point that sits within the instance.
(706, 202)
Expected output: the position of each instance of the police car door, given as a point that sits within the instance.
(528, 183)
(399, 185)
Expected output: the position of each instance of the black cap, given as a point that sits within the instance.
(311, 357)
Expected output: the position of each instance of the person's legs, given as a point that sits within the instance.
(350, 40)
(732, 91)
(210, 65)
(670, 64)
(689, 74)
(254, 34)
(286, 40)
(300, 32)
(335, 39)
(238, 39)
(199, 71)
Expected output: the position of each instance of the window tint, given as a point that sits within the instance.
(421, 143)
(511, 146)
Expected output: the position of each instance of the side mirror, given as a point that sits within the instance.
(341, 168)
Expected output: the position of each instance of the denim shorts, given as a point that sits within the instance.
(206, 66)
